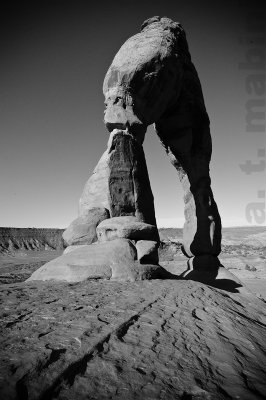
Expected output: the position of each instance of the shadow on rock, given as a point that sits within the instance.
(211, 278)
(218, 277)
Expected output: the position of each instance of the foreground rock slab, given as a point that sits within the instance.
(169, 339)
(115, 259)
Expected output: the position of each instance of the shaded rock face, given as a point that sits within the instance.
(120, 182)
(153, 80)
(129, 185)
(144, 78)
(147, 251)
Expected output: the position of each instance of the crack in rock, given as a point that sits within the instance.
(19, 318)
(79, 366)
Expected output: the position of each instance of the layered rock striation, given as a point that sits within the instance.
(15, 239)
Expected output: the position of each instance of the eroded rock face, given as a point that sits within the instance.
(83, 229)
(115, 259)
(144, 78)
(120, 189)
(95, 192)
(147, 251)
(128, 184)
(13, 240)
(91, 261)
(153, 80)
(126, 227)
(120, 182)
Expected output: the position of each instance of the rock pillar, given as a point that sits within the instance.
(118, 190)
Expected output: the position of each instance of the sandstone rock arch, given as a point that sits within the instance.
(152, 80)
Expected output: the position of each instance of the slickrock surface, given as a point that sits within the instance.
(18, 267)
(170, 339)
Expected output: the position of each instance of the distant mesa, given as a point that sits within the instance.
(257, 240)
(14, 239)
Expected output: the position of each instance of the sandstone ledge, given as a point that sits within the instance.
(171, 339)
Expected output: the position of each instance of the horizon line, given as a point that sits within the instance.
(159, 227)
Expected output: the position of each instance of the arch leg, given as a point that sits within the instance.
(190, 153)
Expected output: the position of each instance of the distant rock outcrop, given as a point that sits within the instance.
(14, 239)
(257, 240)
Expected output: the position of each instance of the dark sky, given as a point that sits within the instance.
(54, 56)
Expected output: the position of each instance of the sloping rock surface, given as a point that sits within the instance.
(169, 339)
(94, 261)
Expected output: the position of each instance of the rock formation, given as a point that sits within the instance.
(115, 235)
(13, 240)
(83, 229)
(120, 182)
(151, 80)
